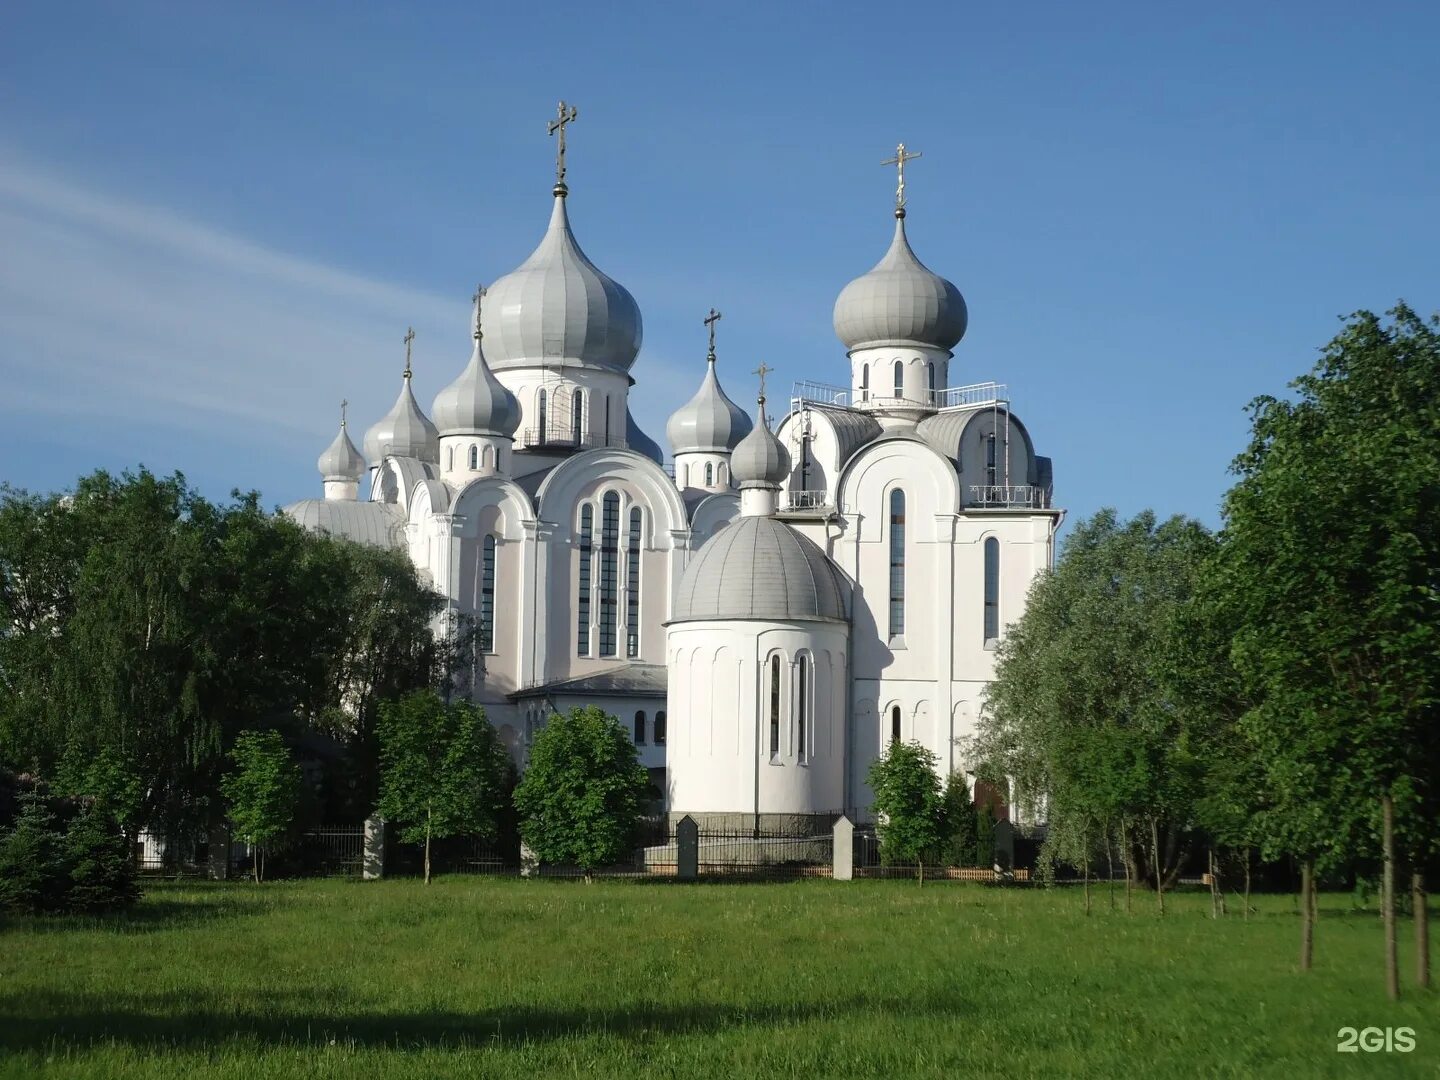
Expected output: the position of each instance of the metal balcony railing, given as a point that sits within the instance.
(955, 397)
(534, 438)
(806, 500)
(1009, 496)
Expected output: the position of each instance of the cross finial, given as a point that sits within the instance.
(409, 337)
(710, 321)
(901, 157)
(564, 114)
(343, 406)
(762, 371)
(477, 300)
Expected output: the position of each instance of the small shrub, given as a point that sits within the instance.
(101, 871)
(33, 874)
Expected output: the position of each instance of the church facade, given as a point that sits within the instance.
(766, 612)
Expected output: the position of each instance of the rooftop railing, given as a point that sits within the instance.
(806, 500)
(974, 396)
(1009, 496)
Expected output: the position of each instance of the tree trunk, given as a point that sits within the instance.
(255, 863)
(1129, 876)
(922, 871)
(1387, 896)
(589, 877)
(1418, 901)
(1110, 870)
(427, 845)
(1214, 901)
(1155, 856)
(1086, 871)
(1247, 884)
(1307, 915)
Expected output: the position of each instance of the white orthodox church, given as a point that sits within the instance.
(767, 612)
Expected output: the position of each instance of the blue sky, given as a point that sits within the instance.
(217, 220)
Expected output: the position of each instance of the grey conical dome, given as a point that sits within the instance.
(900, 302)
(476, 403)
(557, 306)
(341, 461)
(760, 459)
(708, 422)
(404, 431)
(637, 440)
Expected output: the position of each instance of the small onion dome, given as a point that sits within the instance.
(641, 443)
(900, 302)
(404, 432)
(709, 422)
(341, 461)
(476, 403)
(759, 568)
(558, 307)
(760, 459)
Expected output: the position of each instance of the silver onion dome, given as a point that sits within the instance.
(558, 307)
(709, 421)
(760, 459)
(760, 568)
(476, 403)
(637, 440)
(404, 431)
(341, 461)
(900, 302)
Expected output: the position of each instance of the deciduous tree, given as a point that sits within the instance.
(909, 811)
(262, 790)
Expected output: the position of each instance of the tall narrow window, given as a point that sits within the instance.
(582, 606)
(709, 474)
(774, 707)
(577, 413)
(487, 595)
(991, 466)
(864, 382)
(930, 380)
(640, 728)
(723, 475)
(451, 459)
(609, 571)
(660, 728)
(897, 563)
(474, 457)
(992, 589)
(805, 456)
(605, 406)
(802, 701)
(895, 724)
(632, 587)
(540, 437)
(899, 379)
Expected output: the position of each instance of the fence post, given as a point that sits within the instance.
(687, 849)
(529, 862)
(843, 861)
(372, 865)
(218, 859)
(1004, 851)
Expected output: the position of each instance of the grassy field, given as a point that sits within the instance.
(490, 977)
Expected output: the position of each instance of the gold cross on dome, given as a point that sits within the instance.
(564, 114)
(343, 406)
(477, 300)
(710, 321)
(409, 337)
(901, 157)
(762, 371)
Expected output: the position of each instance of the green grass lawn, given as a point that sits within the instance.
(496, 977)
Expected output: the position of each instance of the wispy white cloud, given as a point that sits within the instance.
(110, 306)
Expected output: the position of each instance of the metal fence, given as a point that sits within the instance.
(872, 862)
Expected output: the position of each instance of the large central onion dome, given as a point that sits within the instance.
(557, 307)
(900, 302)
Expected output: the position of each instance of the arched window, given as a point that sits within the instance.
(451, 459)
(660, 728)
(864, 382)
(930, 380)
(709, 474)
(897, 563)
(487, 457)
(487, 595)
(992, 590)
(582, 605)
(540, 438)
(609, 571)
(640, 728)
(802, 703)
(684, 476)
(577, 413)
(774, 707)
(899, 379)
(895, 724)
(632, 587)
(723, 475)
(474, 457)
